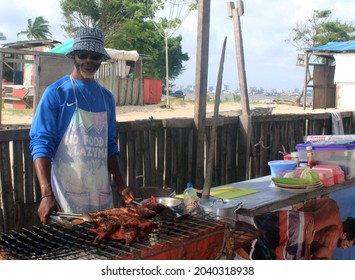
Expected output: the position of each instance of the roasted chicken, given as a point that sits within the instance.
(127, 224)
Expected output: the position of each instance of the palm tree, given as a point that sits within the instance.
(38, 30)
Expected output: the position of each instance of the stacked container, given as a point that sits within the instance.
(336, 172)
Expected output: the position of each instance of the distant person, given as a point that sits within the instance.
(73, 136)
(314, 231)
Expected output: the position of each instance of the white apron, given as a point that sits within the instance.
(80, 178)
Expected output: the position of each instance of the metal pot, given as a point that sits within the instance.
(220, 208)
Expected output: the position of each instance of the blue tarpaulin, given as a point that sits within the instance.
(63, 48)
(336, 47)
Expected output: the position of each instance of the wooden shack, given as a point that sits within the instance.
(37, 68)
(332, 82)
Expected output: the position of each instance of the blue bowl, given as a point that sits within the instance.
(279, 165)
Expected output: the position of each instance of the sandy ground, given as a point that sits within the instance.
(181, 110)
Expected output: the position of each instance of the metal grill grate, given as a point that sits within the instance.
(53, 242)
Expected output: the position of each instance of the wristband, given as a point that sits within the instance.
(48, 195)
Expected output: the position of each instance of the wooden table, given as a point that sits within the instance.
(268, 198)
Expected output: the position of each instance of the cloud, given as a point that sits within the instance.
(269, 61)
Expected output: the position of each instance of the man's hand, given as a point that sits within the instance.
(46, 207)
(127, 196)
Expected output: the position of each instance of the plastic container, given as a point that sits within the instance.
(337, 172)
(302, 165)
(342, 155)
(295, 173)
(279, 165)
(190, 197)
(326, 177)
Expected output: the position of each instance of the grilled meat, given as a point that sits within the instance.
(154, 206)
(127, 224)
(117, 212)
(127, 234)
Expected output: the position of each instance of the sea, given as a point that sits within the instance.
(253, 98)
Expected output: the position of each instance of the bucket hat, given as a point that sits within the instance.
(89, 39)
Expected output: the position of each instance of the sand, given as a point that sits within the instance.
(178, 110)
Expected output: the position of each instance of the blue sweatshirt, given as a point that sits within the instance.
(56, 108)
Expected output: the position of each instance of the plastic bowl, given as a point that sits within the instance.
(278, 165)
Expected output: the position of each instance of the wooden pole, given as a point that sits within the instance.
(305, 82)
(244, 134)
(1, 71)
(209, 169)
(203, 28)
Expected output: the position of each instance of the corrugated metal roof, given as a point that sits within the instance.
(335, 47)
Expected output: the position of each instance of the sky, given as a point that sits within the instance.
(270, 63)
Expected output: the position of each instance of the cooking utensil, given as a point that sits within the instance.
(220, 208)
(85, 216)
(169, 201)
(58, 220)
(184, 214)
(136, 202)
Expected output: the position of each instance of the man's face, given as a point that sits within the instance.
(87, 63)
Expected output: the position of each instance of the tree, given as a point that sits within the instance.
(38, 30)
(319, 30)
(107, 15)
(167, 25)
(127, 26)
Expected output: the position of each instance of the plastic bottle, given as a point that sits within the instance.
(190, 197)
(310, 157)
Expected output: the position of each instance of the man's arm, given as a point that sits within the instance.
(114, 168)
(48, 203)
(325, 243)
(309, 236)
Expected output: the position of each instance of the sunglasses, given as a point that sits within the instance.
(85, 55)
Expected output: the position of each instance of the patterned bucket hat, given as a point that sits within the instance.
(89, 39)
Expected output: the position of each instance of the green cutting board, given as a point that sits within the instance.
(227, 192)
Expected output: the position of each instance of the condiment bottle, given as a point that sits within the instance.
(190, 197)
(310, 157)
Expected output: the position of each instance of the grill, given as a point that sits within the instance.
(190, 238)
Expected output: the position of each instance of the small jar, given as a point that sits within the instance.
(294, 156)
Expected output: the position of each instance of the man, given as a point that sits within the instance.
(314, 231)
(73, 136)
